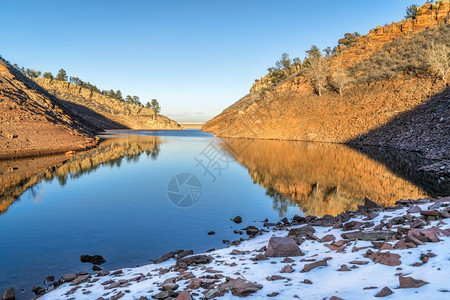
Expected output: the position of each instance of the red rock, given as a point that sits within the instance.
(239, 287)
(386, 246)
(401, 244)
(183, 296)
(194, 283)
(275, 277)
(9, 294)
(287, 269)
(359, 262)
(305, 231)
(309, 267)
(282, 247)
(327, 238)
(344, 268)
(352, 225)
(335, 298)
(384, 292)
(356, 249)
(338, 243)
(386, 258)
(409, 282)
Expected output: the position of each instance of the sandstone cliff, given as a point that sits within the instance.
(105, 112)
(291, 110)
(33, 123)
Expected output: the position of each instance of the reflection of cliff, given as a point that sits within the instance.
(17, 176)
(322, 178)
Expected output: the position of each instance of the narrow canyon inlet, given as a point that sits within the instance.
(141, 194)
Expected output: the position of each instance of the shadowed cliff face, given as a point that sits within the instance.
(105, 112)
(322, 178)
(17, 176)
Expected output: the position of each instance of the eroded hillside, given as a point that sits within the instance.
(33, 123)
(387, 75)
(106, 112)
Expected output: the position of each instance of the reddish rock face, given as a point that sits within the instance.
(384, 292)
(287, 269)
(409, 282)
(239, 287)
(309, 267)
(327, 238)
(282, 247)
(183, 296)
(386, 258)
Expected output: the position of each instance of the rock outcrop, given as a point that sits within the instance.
(32, 122)
(104, 111)
(291, 110)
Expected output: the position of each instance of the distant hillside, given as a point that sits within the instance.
(367, 82)
(104, 111)
(32, 122)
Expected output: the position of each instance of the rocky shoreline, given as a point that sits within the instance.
(375, 251)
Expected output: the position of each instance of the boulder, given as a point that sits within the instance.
(80, 279)
(38, 291)
(309, 267)
(409, 282)
(68, 277)
(384, 292)
(327, 238)
(376, 235)
(183, 296)
(237, 220)
(93, 259)
(282, 247)
(386, 258)
(239, 287)
(352, 225)
(301, 231)
(195, 260)
(287, 269)
(9, 294)
(164, 257)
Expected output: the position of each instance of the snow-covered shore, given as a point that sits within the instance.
(419, 236)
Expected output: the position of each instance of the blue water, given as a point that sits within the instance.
(123, 212)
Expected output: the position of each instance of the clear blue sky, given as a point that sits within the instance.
(195, 57)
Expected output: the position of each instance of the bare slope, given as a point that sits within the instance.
(389, 80)
(33, 123)
(105, 112)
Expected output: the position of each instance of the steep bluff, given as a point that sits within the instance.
(32, 122)
(410, 111)
(105, 112)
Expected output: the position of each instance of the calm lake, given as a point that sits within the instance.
(141, 194)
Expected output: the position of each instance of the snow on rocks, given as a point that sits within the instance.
(400, 252)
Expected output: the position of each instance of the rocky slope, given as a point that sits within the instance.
(32, 122)
(411, 112)
(106, 112)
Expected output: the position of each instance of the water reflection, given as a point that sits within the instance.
(320, 178)
(17, 176)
